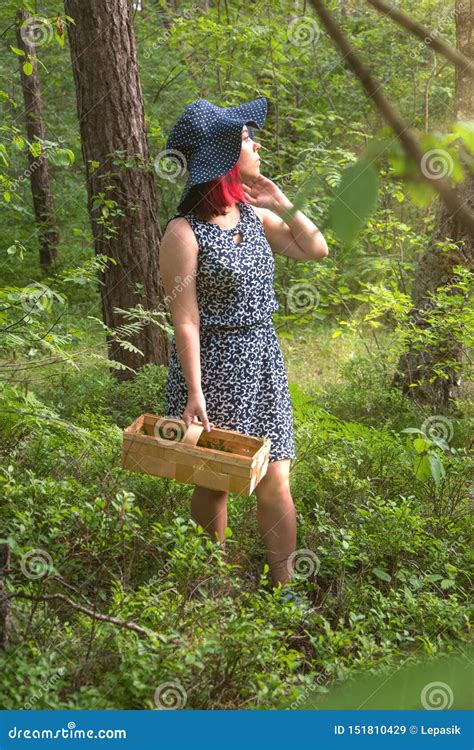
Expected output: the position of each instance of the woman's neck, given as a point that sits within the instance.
(229, 209)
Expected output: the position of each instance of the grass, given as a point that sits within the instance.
(314, 360)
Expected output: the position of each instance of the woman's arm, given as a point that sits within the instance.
(178, 267)
(291, 234)
(297, 237)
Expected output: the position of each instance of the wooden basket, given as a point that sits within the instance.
(219, 459)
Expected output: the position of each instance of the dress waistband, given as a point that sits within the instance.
(248, 327)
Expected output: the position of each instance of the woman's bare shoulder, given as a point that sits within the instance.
(260, 213)
(179, 232)
(266, 216)
(177, 224)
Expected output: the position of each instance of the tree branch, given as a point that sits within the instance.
(417, 29)
(404, 133)
(89, 612)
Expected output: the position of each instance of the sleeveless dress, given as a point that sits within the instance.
(243, 376)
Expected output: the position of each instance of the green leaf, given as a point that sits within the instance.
(27, 68)
(447, 583)
(355, 199)
(61, 157)
(420, 193)
(440, 442)
(59, 38)
(36, 149)
(466, 131)
(382, 574)
(306, 191)
(17, 51)
(7, 196)
(437, 467)
(422, 468)
(4, 154)
(420, 445)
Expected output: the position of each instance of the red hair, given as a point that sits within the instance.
(211, 198)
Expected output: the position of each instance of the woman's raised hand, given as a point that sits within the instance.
(263, 193)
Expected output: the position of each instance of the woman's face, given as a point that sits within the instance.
(249, 160)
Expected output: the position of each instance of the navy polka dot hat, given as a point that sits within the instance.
(210, 137)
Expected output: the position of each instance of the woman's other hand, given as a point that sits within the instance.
(196, 407)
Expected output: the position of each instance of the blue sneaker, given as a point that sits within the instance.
(289, 595)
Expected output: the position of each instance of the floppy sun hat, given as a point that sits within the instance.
(208, 138)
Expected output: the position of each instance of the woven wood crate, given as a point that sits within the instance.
(219, 459)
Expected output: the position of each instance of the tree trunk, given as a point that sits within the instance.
(120, 188)
(4, 602)
(38, 170)
(435, 267)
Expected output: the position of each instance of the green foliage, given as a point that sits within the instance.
(382, 503)
(145, 393)
(445, 319)
(414, 685)
(392, 577)
(354, 200)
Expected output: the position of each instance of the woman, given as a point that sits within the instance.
(226, 364)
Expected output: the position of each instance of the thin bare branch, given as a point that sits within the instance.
(89, 612)
(417, 29)
(406, 135)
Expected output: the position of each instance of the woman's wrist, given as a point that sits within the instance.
(282, 205)
(194, 390)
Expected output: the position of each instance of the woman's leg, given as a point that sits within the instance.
(209, 509)
(276, 517)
